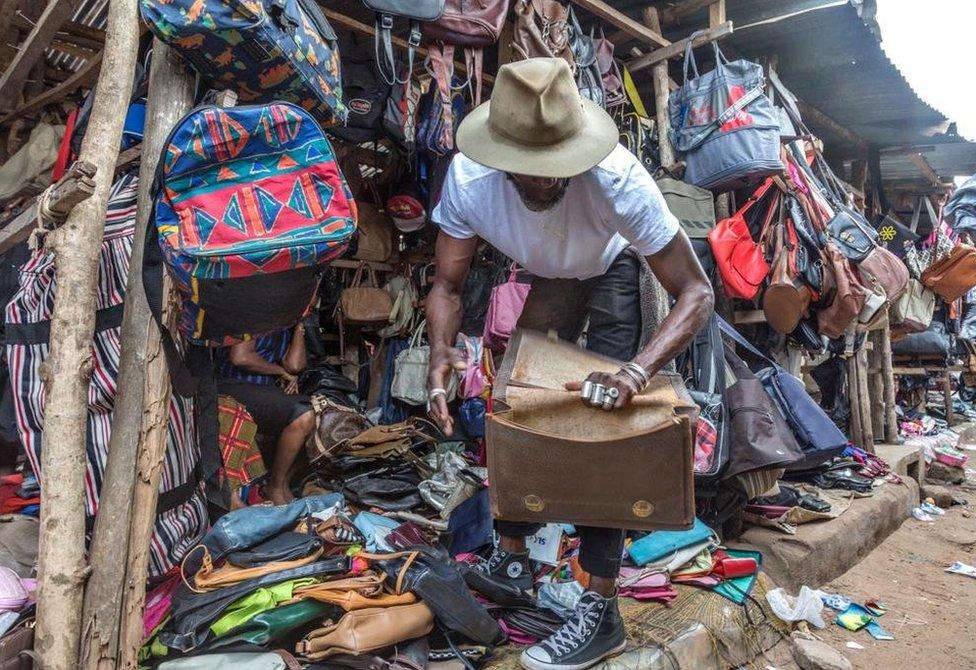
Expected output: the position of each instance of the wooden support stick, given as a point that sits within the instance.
(604, 11)
(67, 371)
(888, 380)
(120, 567)
(864, 398)
(947, 397)
(661, 94)
(170, 96)
(876, 388)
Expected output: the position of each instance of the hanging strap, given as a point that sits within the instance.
(755, 197)
(632, 93)
(731, 332)
(442, 62)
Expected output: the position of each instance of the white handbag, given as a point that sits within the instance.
(409, 383)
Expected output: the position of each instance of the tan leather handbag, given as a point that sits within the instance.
(785, 300)
(888, 270)
(912, 312)
(367, 630)
(335, 423)
(354, 593)
(375, 234)
(209, 578)
(364, 302)
(542, 29)
(952, 275)
(849, 295)
(629, 468)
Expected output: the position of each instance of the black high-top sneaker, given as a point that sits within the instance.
(594, 633)
(510, 569)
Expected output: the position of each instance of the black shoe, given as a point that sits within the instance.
(595, 632)
(510, 569)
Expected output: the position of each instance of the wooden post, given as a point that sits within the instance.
(888, 380)
(67, 370)
(947, 396)
(661, 93)
(876, 387)
(170, 95)
(864, 399)
(855, 401)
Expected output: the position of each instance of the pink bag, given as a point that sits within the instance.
(504, 310)
(13, 595)
(473, 380)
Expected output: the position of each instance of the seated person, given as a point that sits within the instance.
(262, 375)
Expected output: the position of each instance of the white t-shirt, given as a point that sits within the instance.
(603, 210)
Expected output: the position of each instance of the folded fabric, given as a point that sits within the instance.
(13, 595)
(244, 609)
(158, 602)
(367, 630)
(662, 544)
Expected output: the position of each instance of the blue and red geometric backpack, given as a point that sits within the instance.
(249, 205)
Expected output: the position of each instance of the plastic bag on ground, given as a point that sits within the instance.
(806, 606)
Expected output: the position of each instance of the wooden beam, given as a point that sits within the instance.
(678, 48)
(681, 10)
(82, 77)
(813, 115)
(925, 168)
(31, 51)
(716, 13)
(626, 24)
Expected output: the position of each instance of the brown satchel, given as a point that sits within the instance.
(367, 630)
(888, 270)
(335, 423)
(354, 593)
(785, 300)
(374, 233)
(849, 295)
(542, 29)
(552, 458)
(365, 303)
(952, 275)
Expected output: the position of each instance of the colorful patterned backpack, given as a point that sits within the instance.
(265, 50)
(249, 204)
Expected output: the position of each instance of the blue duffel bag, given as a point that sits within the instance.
(818, 436)
(264, 50)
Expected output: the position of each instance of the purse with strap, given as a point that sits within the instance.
(887, 270)
(741, 261)
(785, 300)
(335, 424)
(542, 29)
(386, 11)
(849, 295)
(953, 275)
(367, 630)
(365, 303)
(613, 82)
(504, 309)
(912, 312)
(409, 383)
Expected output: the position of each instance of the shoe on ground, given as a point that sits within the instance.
(594, 633)
(511, 569)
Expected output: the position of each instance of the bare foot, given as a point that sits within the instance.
(279, 495)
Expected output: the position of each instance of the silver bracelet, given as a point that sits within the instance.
(637, 374)
(434, 392)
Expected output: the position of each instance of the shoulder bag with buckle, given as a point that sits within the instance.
(741, 260)
(335, 423)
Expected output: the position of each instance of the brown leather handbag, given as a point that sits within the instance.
(364, 302)
(785, 300)
(849, 295)
(552, 458)
(335, 424)
(952, 275)
(354, 593)
(888, 270)
(374, 234)
(367, 630)
(542, 29)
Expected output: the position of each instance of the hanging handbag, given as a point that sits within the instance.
(874, 303)
(785, 301)
(849, 295)
(708, 392)
(504, 309)
(542, 30)
(854, 237)
(365, 303)
(693, 207)
(386, 10)
(887, 270)
(588, 78)
(952, 275)
(374, 230)
(818, 437)
(405, 299)
(410, 372)
(723, 123)
(740, 260)
(913, 311)
(612, 80)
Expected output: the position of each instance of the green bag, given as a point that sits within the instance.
(694, 207)
(273, 624)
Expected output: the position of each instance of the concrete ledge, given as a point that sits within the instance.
(823, 550)
(904, 461)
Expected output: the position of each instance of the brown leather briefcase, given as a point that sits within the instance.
(552, 458)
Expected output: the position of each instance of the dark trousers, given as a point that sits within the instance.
(611, 305)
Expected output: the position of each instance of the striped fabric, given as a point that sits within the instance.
(28, 331)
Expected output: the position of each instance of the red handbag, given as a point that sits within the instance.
(740, 260)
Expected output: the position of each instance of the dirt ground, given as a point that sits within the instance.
(930, 611)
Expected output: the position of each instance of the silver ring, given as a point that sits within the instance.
(613, 392)
(599, 393)
(608, 403)
(586, 389)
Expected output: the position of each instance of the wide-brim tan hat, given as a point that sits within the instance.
(537, 123)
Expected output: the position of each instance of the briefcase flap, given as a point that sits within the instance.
(552, 458)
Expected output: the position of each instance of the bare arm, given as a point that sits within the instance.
(245, 357)
(452, 258)
(681, 275)
(296, 358)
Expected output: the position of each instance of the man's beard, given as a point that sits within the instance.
(535, 205)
